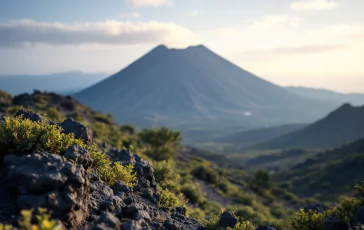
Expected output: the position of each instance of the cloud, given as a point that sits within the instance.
(194, 13)
(301, 5)
(155, 3)
(131, 15)
(308, 49)
(25, 32)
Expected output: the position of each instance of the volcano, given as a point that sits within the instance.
(194, 87)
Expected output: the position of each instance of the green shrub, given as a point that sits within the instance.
(165, 176)
(345, 209)
(24, 136)
(19, 135)
(44, 222)
(244, 225)
(192, 193)
(212, 223)
(168, 199)
(205, 173)
(160, 143)
(307, 220)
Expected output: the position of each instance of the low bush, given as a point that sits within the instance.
(307, 220)
(43, 219)
(18, 135)
(166, 176)
(169, 200)
(192, 193)
(207, 174)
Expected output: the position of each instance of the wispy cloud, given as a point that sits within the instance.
(308, 49)
(194, 13)
(155, 3)
(131, 15)
(20, 32)
(314, 4)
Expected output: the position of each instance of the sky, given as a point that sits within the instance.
(313, 43)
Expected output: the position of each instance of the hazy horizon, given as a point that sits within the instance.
(311, 43)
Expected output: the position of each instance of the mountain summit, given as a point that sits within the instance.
(196, 87)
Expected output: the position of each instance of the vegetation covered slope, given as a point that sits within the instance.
(259, 135)
(204, 185)
(329, 174)
(344, 125)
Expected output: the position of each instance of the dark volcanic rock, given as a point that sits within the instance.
(359, 217)
(228, 219)
(80, 130)
(264, 228)
(32, 116)
(79, 155)
(107, 221)
(49, 181)
(335, 224)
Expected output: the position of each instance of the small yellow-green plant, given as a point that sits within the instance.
(44, 222)
(307, 220)
(165, 176)
(18, 135)
(168, 199)
(243, 225)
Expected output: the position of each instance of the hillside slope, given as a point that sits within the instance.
(343, 125)
(328, 174)
(195, 87)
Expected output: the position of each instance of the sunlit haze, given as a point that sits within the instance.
(315, 43)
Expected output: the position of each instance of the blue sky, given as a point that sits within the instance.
(317, 43)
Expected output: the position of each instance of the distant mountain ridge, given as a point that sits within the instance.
(259, 135)
(344, 125)
(329, 95)
(195, 87)
(65, 82)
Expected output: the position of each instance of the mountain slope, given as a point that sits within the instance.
(328, 95)
(259, 135)
(341, 126)
(195, 87)
(65, 83)
(329, 174)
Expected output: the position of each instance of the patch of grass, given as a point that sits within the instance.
(169, 200)
(166, 176)
(18, 135)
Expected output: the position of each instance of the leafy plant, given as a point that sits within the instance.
(168, 199)
(307, 220)
(161, 143)
(43, 219)
(164, 173)
(18, 135)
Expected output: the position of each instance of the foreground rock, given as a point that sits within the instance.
(76, 196)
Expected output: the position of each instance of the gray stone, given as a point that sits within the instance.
(80, 130)
(228, 219)
(79, 155)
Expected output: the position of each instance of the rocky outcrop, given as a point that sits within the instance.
(73, 193)
(48, 181)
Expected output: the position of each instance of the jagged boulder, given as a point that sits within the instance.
(143, 168)
(335, 224)
(80, 130)
(79, 155)
(228, 219)
(48, 181)
(359, 217)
